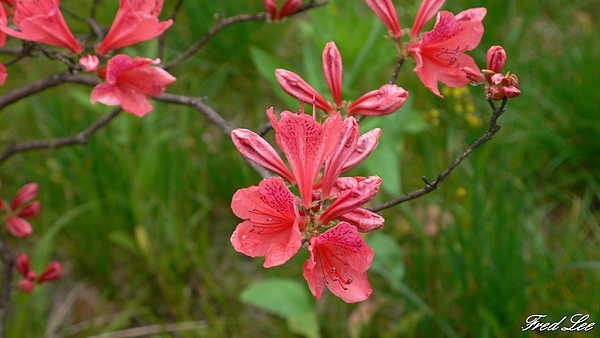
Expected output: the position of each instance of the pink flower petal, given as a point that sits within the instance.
(364, 147)
(332, 68)
(339, 156)
(289, 7)
(339, 259)
(364, 220)
(306, 144)
(135, 22)
(129, 83)
(41, 21)
(272, 225)
(294, 85)
(31, 210)
(350, 199)
(426, 12)
(257, 150)
(385, 11)
(89, 63)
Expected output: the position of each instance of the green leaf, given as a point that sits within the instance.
(285, 298)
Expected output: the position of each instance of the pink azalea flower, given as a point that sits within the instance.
(136, 21)
(385, 11)
(339, 259)
(272, 222)
(426, 12)
(40, 21)
(130, 82)
(383, 101)
(20, 209)
(306, 144)
(289, 7)
(440, 53)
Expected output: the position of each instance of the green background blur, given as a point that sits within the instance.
(140, 216)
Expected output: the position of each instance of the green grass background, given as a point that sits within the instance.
(140, 216)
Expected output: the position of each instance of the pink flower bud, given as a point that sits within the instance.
(497, 79)
(18, 226)
(26, 193)
(271, 8)
(22, 264)
(53, 272)
(289, 7)
(31, 210)
(382, 101)
(511, 91)
(496, 58)
(385, 11)
(332, 67)
(495, 92)
(26, 285)
(89, 63)
(31, 275)
(473, 75)
(294, 85)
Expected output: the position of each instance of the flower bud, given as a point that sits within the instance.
(497, 79)
(495, 92)
(52, 273)
(496, 58)
(31, 210)
(332, 67)
(26, 193)
(294, 85)
(26, 285)
(382, 101)
(473, 75)
(89, 63)
(18, 226)
(511, 91)
(385, 11)
(22, 264)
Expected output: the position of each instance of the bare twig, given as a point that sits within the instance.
(397, 70)
(7, 270)
(51, 81)
(430, 186)
(224, 22)
(80, 138)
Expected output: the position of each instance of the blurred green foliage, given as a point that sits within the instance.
(140, 215)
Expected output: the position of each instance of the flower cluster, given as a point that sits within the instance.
(327, 215)
(385, 100)
(52, 272)
(439, 53)
(129, 81)
(498, 85)
(14, 215)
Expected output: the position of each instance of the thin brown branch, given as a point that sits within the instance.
(80, 138)
(397, 70)
(431, 186)
(51, 81)
(224, 22)
(7, 271)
